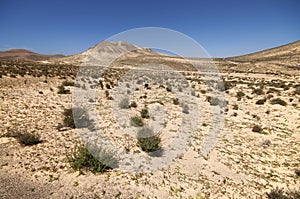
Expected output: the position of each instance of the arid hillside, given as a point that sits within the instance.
(22, 54)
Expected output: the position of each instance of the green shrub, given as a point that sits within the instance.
(240, 94)
(82, 158)
(258, 91)
(124, 103)
(202, 91)
(261, 101)
(185, 109)
(169, 88)
(175, 101)
(68, 83)
(193, 93)
(273, 90)
(225, 85)
(281, 194)
(77, 114)
(257, 129)
(136, 121)
(214, 101)
(145, 113)
(27, 139)
(235, 107)
(297, 90)
(147, 140)
(278, 101)
(276, 194)
(297, 172)
(133, 104)
(62, 90)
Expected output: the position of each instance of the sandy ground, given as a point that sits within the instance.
(243, 164)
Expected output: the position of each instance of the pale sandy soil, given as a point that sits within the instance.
(240, 165)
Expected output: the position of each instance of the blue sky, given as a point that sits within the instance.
(223, 27)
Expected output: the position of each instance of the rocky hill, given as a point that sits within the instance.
(22, 54)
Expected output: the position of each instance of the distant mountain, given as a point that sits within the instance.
(22, 54)
(104, 52)
(285, 58)
(288, 51)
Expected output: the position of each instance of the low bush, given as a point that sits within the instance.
(185, 109)
(193, 93)
(68, 83)
(169, 88)
(136, 121)
(77, 114)
(273, 90)
(145, 113)
(257, 129)
(258, 91)
(281, 194)
(175, 101)
(235, 107)
(26, 139)
(297, 90)
(278, 101)
(297, 172)
(29, 139)
(124, 103)
(62, 90)
(133, 104)
(261, 101)
(147, 140)
(82, 158)
(214, 101)
(240, 94)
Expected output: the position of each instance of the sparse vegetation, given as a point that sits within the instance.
(77, 114)
(261, 101)
(68, 83)
(82, 158)
(278, 101)
(124, 103)
(185, 109)
(193, 93)
(145, 113)
(297, 172)
(29, 139)
(26, 139)
(175, 101)
(133, 104)
(281, 194)
(169, 88)
(235, 107)
(62, 90)
(266, 143)
(297, 90)
(240, 94)
(136, 121)
(257, 129)
(214, 101)
(258, 91)
(147, 140)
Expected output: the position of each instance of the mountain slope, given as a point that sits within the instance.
(104, 52)
(288, 51)
(22, 54)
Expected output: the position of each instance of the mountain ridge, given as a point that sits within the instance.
(24, 54)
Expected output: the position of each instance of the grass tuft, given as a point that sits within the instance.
(278, 101)
(147, 140)
(82, 158)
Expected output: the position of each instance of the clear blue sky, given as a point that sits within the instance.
(222, 27)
